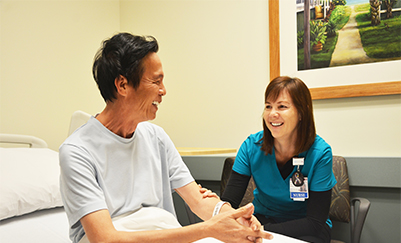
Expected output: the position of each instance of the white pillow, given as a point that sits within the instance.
(29, 180)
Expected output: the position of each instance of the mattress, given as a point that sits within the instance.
(49, 225)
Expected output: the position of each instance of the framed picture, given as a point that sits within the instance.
(326, 83)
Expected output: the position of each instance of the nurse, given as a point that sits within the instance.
(290, 164)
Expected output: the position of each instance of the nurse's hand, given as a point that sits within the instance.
(207, 193)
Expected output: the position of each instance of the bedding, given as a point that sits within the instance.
(30, 200)
(152, 218)
(29, 181)
(43, 226)
(147, 218)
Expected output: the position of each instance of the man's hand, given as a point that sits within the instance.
(247, 220)
(226, 226)
(251, 221)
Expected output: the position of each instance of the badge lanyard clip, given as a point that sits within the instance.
(298, 177)
(298, 183)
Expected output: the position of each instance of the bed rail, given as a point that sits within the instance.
(31, 141)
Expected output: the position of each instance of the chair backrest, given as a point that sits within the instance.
(340, 196)
(227, 168)
(78, 118)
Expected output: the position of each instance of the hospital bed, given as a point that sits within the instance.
(31, 208)
(30, 201)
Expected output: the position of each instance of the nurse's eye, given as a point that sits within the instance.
(283, 107)
(268, 107)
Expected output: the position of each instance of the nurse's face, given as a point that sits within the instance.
(281, 117)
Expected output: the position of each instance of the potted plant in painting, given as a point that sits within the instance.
(317, 35)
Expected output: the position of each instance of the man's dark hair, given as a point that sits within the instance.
(123, 55)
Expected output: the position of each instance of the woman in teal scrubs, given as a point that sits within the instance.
(290, 164)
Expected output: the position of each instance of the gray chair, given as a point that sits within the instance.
(342, 208)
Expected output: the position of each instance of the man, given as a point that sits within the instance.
(118, 163)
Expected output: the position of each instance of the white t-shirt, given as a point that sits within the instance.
(101, 170)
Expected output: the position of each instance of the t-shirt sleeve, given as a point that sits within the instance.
(80, 191)
(179, 174)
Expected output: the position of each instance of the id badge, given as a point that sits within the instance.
(299, 193)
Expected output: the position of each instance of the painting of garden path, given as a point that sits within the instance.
(345, 47)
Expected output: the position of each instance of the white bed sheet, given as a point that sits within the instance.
(277, 238)
(50, 225)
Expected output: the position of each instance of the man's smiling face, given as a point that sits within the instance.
(146, 98)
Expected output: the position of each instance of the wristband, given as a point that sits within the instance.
(218, 206)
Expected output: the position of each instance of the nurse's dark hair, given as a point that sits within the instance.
(302, 100)
(123, 55)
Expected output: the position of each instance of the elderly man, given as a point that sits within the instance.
(118, 163)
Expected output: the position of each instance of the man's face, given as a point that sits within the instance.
(146, 98)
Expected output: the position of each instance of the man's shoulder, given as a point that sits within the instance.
(149, 128)
(82, 134)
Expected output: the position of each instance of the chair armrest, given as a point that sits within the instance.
(358, 215)
(190, 214)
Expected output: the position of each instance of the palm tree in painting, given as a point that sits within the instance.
(389, 6)
(375, 11)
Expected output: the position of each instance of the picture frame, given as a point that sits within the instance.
(374, 85)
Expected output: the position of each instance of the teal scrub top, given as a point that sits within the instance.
(272, 193)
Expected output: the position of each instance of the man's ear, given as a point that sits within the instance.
(121, 84)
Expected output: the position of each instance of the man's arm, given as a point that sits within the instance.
(202, 206)
(99, 228)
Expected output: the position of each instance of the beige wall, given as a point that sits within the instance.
(215, 57)
(46, 54)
